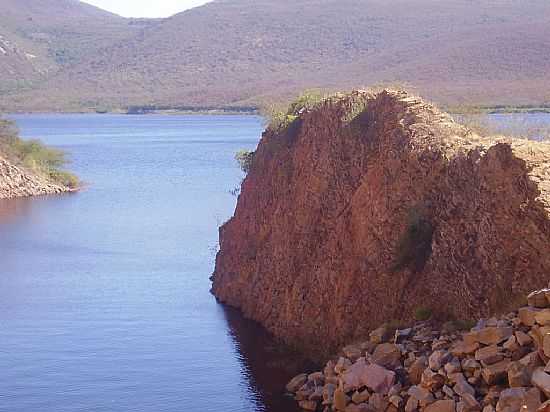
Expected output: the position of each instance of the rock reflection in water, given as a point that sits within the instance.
(267, 364)
(12, 209)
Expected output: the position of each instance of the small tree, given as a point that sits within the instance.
(245, 158)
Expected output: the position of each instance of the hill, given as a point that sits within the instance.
(242, 52)
(39, 38)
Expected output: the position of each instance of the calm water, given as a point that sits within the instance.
(104, 294)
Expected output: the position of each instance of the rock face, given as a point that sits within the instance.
(370, 206)
(15, 182)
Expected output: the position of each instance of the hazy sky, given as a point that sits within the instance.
(146, 8)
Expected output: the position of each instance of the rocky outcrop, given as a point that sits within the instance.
(373, 206)
(501, 364)
(16, 182)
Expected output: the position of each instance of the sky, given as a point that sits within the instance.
(146, 8)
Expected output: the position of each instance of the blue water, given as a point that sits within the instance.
(104, 294)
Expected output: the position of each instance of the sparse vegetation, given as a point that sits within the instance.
(279, 117)
(245, 158)
(422, 313)
(415, 245)
(34, 156)
(80, 52)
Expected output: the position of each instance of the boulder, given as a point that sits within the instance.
(527, 315)
(352, 352)
(542, 317)
(496, 372)
(489, 355)
(490, 335)
(421, 394)
(387, 355)
(518, 400)
(470, 403)
(541, 380)
(538, 298)
(447, 405)
(340, 399)
(438, 358)
(308, 405)
(416, 370)
(378, 378)
(353, 376)
(296, 383)
(523, 338)
(462, 348)
(545, 407)
(360, 397)
(519, 375)
(381, 334)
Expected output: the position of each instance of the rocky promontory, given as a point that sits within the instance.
(370, 207)
(16, 182)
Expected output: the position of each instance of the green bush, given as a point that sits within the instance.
(415, 245)
(280, 117)
(33, 155)
(422, 313)
(245, 158)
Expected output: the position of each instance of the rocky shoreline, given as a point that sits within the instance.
(15, 182)
(502, 364)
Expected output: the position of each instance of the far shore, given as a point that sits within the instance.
(255, 111)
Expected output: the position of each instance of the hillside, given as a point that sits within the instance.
(38, 38)
(242, 52)
(370, 207)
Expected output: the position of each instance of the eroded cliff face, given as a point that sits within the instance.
(16, 182)
(371, 206)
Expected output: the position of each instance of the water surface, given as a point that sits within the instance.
(104, 294)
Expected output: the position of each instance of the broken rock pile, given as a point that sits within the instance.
(502, 364)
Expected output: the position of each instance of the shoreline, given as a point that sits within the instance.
(255, 111)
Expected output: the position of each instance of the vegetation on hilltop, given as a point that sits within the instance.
(34, 156)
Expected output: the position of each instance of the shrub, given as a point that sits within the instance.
(422, 313)
(415, 245)
(34, 156)
(280, 117)
(245, 158)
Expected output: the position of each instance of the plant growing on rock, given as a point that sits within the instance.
(280, 116)
(245, 158)
(415, 245)
(422, 313)
(33, 155)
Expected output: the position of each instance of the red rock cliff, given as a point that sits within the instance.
(373, 205)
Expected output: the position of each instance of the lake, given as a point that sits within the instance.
(104, 294)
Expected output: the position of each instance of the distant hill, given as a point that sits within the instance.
(39, 38)
(242, 52)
